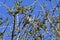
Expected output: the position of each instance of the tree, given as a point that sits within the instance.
(29, 25)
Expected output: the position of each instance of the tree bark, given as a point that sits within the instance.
(13, 28)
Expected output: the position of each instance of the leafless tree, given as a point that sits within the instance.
(29, 25)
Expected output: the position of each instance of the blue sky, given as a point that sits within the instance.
(10, 3)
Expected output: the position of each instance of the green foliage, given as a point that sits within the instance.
(58, 21)
(1, 35)
(0, 18)
(1, 23)
(18, 8)
(36, 20)
(27, 8)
